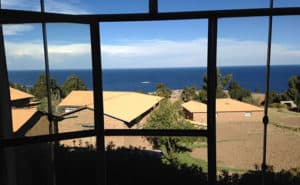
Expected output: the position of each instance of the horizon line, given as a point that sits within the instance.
(153, 67)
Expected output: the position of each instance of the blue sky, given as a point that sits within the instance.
(241, 41)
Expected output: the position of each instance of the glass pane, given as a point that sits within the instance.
(76, 161)
(32, 5)
(25, 63)
(71, 74)
(149, 69)
(30, 164)
(96, 6)
(284, 92)
(283, 3)
(196, 5)
(132, 164)
(240, 92)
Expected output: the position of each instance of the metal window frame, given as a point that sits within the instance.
(21, 17)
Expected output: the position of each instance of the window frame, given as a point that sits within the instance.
(21, 17)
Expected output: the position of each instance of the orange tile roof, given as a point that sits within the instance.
(20, 116)
(78, 99)
(194, 106)
(222, 105)
(16, 94)
(125, 106)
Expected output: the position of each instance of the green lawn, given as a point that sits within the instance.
(185, 158)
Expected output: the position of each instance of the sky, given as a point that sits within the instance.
(154, 44)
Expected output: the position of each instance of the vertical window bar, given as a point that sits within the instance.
(211, 98)
(46, 58)
(266, 117)
(52, 127)
(153, 7)
(7, 158)
(98, 102)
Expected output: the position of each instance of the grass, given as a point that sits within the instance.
(198, 144)
(294, 129)
(275, 113)
(185, 158)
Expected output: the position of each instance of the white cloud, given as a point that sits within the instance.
(155, 53)
(16, 29)
(235, 52)
(70, 49)
(21, 4)
(29, 55)
(149, 53)
(69, 7)
(66, 6)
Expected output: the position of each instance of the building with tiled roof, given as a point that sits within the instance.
(227, 109)
(122, 110)
(26, 119)
(124, 106)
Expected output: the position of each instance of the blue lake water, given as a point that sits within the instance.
(175, 78)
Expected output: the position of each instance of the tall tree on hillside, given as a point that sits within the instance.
(293, 88)
(163, 91)
(189, 93)
(168, 116)
(293, 91)
(237, 92)
(222, 83)
(39, 89)
(202, 96)
(72, 83)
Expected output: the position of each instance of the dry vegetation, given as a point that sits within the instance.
(239, 145)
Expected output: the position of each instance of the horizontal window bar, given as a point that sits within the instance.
(46, 138)
(20, 16)
(109, 132)
(155, 132)
(17, 16)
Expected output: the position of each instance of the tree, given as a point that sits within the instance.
(189, 93)
(168, 116)
(202, 96)
(274, 97)
(162, 90)
(292, 88)
(237, 92)
(19, 87)
(293, 91)
(39, 89)
(222, 83)
(72, 83)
